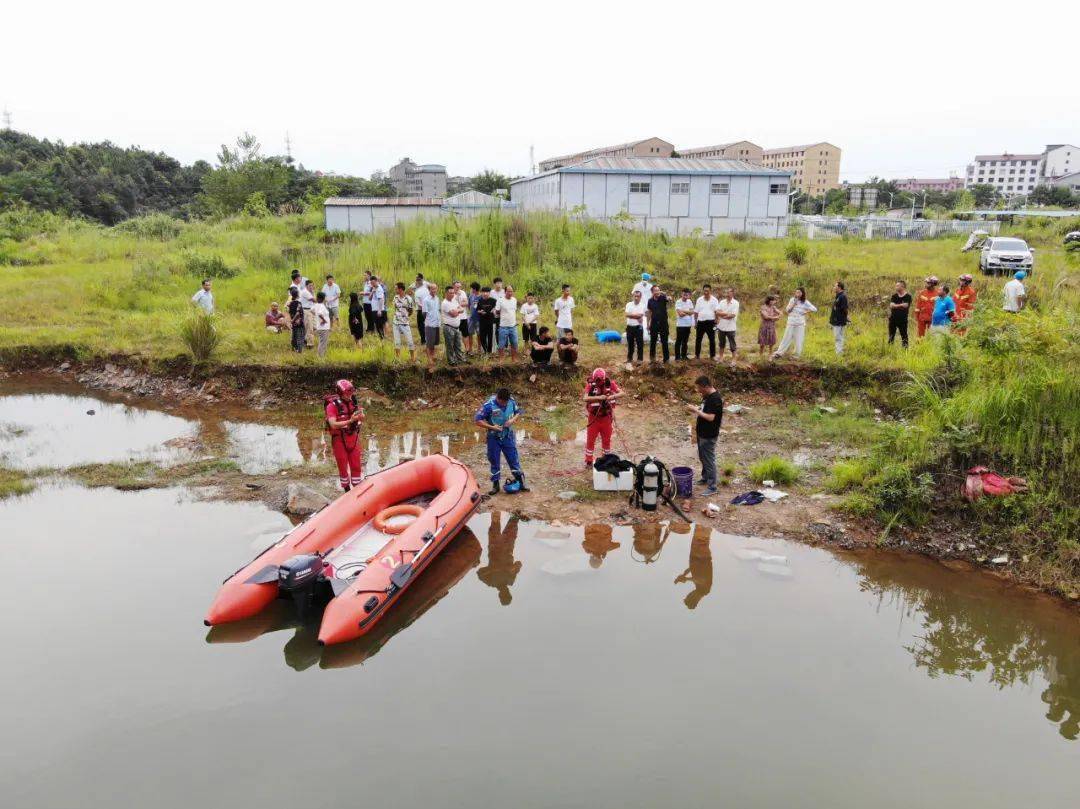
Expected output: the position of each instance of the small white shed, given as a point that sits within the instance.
(366, 214)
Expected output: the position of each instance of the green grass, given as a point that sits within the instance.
(846, 475)
(13, 483)
(776, 469)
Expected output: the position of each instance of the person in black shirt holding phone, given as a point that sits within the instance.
(658, 322)
(709, 417)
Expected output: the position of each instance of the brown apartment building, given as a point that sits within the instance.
(650, 147)
(814, 167)
(739, 150)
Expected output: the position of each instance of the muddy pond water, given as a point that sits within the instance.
(532, 665)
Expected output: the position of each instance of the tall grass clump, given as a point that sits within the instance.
(775, 469)
(796, 252)
(199, 333)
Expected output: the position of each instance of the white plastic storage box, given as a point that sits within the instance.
(607, 482)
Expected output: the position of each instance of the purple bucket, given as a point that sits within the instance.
(684, 480)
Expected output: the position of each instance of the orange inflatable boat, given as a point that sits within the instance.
(360, 552)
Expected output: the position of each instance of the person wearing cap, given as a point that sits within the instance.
(343, 419)
(924, 305)
(644, 286)
(964, 296)
(497, 415)
(1015, 293)
(601, 392)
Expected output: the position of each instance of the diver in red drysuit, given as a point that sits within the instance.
(343, 419)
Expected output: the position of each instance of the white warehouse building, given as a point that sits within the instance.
(676, 195)
(368, 214)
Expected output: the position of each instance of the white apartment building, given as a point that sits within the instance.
(1016, 174)
(410, 180)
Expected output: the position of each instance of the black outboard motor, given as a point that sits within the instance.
(301, 579)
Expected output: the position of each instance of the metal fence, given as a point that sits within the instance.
(821, 227)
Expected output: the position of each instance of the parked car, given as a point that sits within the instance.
(1004, 255)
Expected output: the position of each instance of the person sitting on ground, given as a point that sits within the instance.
(567, 347)
(275, 320)
(542, 347)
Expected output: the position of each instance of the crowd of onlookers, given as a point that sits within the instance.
(491, 320)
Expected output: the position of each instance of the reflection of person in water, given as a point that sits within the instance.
(501, 569)
(649, 539)
(1062, 696)
(598, 543)
(699, 569)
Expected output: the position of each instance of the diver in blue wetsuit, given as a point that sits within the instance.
(497, 416)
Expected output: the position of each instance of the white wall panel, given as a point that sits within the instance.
(738, 199)
(759, 197)
(573, 191)
(661, 191)
(595, 197)
(337, 217)
(618, 189)
(699, 195)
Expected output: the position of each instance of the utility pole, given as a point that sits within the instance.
(532, 161)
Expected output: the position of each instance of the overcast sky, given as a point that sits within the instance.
(358, 85)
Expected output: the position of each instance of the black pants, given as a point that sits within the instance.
(487, 334)
(528, 333)
(726, 337)
(662, 337)
(420, 325)
(898, 326)
(298, 339)
(682, 342)
(369, 316)
(635, 338)
(706, 328)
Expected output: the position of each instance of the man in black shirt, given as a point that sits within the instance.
(541, 348)
(657, 322)
(899, 306)
(568, 347)
(485, 318)
(709, 416)
(838, 317)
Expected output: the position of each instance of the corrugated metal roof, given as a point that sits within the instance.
(801, 147)
(664, 165)
(369, 201)
(600, 149)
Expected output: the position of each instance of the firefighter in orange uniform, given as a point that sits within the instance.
(924, 305)
(965, 297)
(343, 419)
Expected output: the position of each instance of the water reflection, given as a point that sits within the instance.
(501, 569)
(699, 569)
(598, 543)
(971, 627)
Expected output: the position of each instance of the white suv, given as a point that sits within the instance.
(1003, 255)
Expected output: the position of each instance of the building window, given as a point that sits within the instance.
(680, 188)
(778, 188)
(720, 188)
(639, 188)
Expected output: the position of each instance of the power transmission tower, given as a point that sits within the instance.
(7, 118)
(532, 161)
(288, 146)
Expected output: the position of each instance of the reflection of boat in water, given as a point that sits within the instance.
(303, 650)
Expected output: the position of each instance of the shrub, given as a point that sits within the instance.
(900, 491)
(201, 336)
(857, 504)
(148, 274)
(796, 252)
(208, 266)
(775, 469)
(156, 226)
(846, 475)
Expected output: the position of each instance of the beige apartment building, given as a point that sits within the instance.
(815, 167)
(650, 147)
(739, 150)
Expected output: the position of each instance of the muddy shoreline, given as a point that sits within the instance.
(553, 467)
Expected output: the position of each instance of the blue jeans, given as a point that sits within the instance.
(508, 336)
(500, 444)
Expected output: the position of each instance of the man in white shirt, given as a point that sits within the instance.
(506, 309)
(727, 313)
(307, 300)
(530, 320)
(420, 294)
(451, 317)
(564, 311)
(1015, 294)
(204, 298)
(321, 314)
(644, 286)
(298, 282)
(684, 322)
(333, 297)
(378, 306)
(462, 298)
(431, 309)
(705, 319)
(635, 330)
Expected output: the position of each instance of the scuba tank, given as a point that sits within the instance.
(650, 478)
